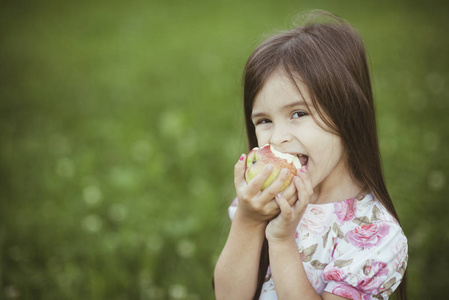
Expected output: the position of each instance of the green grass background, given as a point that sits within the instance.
(120, 123)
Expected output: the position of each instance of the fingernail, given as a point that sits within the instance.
(242, 157)
(302, 170)
(278, 195)
(305, 167)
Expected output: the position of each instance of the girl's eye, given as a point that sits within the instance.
(262, 121)
(299, 114)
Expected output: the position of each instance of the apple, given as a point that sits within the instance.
(258, 158)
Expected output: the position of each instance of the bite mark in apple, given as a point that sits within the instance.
(258, 158)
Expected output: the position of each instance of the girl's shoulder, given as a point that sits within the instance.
(349, 213)
(357, 245)
(366, 225)
(355, 224)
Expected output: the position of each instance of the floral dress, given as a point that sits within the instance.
(351, 248)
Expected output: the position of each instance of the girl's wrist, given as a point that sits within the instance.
(280, 242)
(249, 222)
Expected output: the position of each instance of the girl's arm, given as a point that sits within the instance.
(237, 268)
(236, 271)
(290, 278)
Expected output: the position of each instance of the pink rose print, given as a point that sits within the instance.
(316, 219)
(367, 236)
(400, 253)
(369, 285)
(344, 210)
(380, 268)
(347, 291)
(377, 268)
(314, 278)
(334, 274)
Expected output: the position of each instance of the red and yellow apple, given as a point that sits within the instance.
(258, 158)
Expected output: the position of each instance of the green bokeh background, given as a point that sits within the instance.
(121, 122)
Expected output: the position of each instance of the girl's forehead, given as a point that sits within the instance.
(279, 88)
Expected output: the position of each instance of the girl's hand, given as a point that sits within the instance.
(290, 193)
(254, 204)
(283, 227)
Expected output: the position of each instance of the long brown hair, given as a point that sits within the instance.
(329, 57)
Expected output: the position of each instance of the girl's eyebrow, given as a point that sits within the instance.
(285, 107)
(257, 115)
(293, 104)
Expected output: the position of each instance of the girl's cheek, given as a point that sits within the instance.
(262, 139)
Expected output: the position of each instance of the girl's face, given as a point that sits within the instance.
(282, 119)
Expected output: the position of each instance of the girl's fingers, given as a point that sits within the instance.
(275, 187)
(290, 193)
(303, 195)
(286, 209)
(256, 184)
(304, 175)
(239, 171)
(258, 181)
(272, 209)
(266, 203)
(250, 193)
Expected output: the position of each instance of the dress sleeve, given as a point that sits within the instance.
(368, 262)
(233, 208)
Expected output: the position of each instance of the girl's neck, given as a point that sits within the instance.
(337, 186)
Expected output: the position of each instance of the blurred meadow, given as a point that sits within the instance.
(121, 122)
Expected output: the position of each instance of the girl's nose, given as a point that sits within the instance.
(280, 135)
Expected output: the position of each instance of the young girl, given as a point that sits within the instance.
(334, 232)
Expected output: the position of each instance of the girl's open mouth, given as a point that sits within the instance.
(303, 159)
